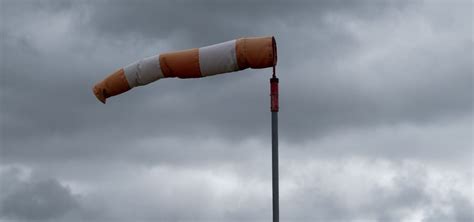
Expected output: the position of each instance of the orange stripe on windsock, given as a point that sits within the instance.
(112, 85)
(181, 64)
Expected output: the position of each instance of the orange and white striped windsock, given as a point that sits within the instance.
(257, 53)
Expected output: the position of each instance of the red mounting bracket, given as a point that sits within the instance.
(274, 94)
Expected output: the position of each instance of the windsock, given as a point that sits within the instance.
(235, 55)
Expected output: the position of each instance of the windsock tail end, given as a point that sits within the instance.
(114, 84)
(97, 92)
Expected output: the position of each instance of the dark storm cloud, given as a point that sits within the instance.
(316, 98)
(377, 79)
(207, 22)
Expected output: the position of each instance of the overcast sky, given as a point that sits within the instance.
(376, 119)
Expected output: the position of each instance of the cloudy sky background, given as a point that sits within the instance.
(376, 119)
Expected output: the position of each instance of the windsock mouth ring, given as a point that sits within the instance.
(275, 54)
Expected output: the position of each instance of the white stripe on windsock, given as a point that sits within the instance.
(218, 58)
(144, 71)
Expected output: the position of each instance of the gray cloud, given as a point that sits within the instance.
(31, 199)
(376, 195)
(333, 96)
(385, 79)
(461, 211)
(315, 190)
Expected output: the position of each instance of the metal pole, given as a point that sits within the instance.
(274, 109)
